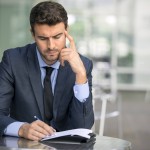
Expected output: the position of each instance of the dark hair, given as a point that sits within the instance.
(48, 12)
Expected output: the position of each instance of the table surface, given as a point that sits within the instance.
(101, 143)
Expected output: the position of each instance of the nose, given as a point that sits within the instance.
(51, 44)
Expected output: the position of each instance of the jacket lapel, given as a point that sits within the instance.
(60, 85)
(35, 77)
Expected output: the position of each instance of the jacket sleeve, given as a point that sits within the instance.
(81, 113)
(6, 92)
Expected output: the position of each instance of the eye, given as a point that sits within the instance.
(42, 38)
(57, 36)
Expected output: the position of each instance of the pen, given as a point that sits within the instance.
(36, 118)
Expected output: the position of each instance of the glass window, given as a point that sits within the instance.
(115, 34)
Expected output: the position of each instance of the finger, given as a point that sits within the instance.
(61, 60)
(46, 128)
(31, 134)
(70, 38)
(34, 138)
(37, 134)
(64, 52)
(39, 127)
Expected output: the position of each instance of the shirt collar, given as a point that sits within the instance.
(43, 64)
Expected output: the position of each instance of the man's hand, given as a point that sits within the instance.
(35, 131)
(71, 55)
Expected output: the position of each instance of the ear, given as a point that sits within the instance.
(33, 36)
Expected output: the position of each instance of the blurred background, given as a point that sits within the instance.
(115, 35)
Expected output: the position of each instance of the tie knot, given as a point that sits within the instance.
(48, 70)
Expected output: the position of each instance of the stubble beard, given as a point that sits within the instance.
(51, 58)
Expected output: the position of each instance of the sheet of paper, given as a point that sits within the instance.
(80, 132)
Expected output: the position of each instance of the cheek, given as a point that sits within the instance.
(41, 45)
(62, 42)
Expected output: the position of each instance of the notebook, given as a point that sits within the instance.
(75, 136)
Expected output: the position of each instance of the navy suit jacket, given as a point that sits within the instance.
(21, 92)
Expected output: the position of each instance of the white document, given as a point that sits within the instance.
(79, 132)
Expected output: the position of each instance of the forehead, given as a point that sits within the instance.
(46, 30)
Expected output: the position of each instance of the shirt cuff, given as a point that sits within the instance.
(13, 128)
(81, 91)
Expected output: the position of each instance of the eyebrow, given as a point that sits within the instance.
(48, 37)
(57, 34)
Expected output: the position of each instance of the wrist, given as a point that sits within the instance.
(81, 78)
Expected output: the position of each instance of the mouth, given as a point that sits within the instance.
(52, 52)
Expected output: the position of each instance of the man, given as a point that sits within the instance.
(22, 72)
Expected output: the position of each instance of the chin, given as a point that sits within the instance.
(53, 61)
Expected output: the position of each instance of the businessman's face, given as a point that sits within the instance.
(50, 41)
